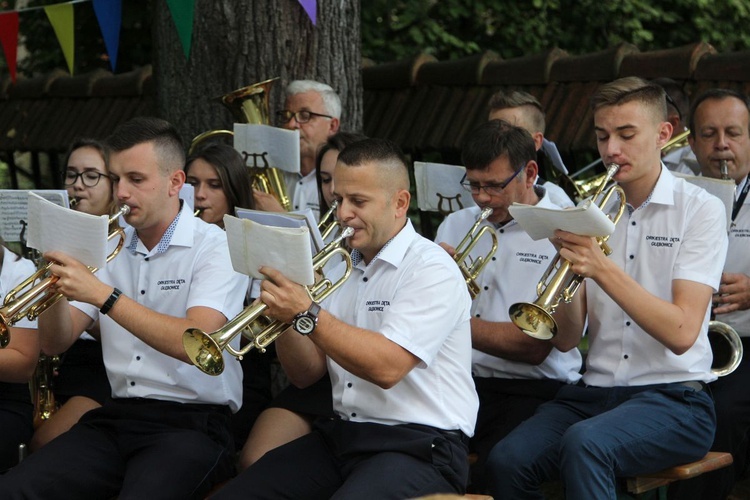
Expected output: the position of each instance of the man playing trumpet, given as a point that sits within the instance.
(513, 372)
(165, 419)
(395, 340)
(641, 405)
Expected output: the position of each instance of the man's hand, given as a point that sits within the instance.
(451, 250)
(583, 252)
(266, 202)
(284, 298)
(76, 281)
(734, 293)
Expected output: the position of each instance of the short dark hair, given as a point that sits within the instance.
(520, 99)
(382, 151)
(717, 94)
(141, 129)
(629, 89)
(495, 139)
(337, 142)
(236, 181)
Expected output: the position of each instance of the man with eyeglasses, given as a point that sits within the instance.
(314, 109)
(513, 372)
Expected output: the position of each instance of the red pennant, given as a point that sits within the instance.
(9, 40)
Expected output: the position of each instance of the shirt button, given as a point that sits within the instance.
(364, 279)
(632, 257)
(627, 323)
(143, 292)
(354, 414)
(349, 384)
(132, 383)
(296, 207)
(632, 223)
(626, 356)
(300, 183)
(477, 315)
(137, 358)
(494, 258)
(486, 288)
(146, 259)
(502, 231)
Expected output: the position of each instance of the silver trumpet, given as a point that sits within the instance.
(535, 319)
(205, 349)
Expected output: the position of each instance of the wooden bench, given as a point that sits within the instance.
(712, 461)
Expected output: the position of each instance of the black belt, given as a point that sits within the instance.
(456, 434)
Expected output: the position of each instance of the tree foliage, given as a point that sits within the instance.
(449, 29)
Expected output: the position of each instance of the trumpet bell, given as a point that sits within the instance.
(726, 346)
(203, 351)
(533, 320)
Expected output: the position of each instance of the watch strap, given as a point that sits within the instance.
(110, 302)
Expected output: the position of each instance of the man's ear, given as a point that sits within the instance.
(176, 181)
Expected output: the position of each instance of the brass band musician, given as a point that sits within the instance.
(642, 404)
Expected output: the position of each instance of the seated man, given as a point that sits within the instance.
(513, 372)
(642, 404)
(396, 341)
(165, 433)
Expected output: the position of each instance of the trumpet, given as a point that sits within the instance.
(205, 349)
(535, 319)
(40, 386)
(30, 300)
(472, 268)
(328, 223)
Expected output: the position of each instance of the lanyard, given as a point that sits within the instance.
(740, 200)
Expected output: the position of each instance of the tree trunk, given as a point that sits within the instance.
(240, 42)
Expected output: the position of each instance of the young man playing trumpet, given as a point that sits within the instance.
(641, 405)
(720, 133)
(513, 372)
(395, 340)
(165, 432)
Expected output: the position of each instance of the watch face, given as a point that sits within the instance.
(304, 324)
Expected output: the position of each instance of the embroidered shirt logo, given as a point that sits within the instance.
(377, 305)
(170, 284)
(662, 241)
(531, 257)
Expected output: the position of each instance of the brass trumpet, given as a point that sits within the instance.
(328, 223)
(471, 269)
(535, 319)
(40, 386)
(205, 349)
(30, 300)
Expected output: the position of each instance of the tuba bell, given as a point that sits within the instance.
(30, 300)
(250, 105)
(205, 349)
(471, 269)
(535, 319)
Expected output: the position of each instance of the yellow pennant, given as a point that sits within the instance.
(61, 17)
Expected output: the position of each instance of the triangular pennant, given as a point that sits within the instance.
(61, 18)
(182, 13)
(109, 15)
(311, 7)
(9, 40)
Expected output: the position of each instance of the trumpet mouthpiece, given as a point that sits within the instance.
(486, 212)
(125, 209)
(348, 231)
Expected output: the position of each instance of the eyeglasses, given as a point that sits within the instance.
(303, 116)
(90, 178)
(491, 189)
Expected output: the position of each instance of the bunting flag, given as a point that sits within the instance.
(9, 40)
(182, 13)
(311, 7)
(61, 18)
(109, 15)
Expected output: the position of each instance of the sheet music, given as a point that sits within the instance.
(14, 207)
(586, 219)
(301, 218)
(438, 187)
(252, 245)
(77, 234)
(265, 146)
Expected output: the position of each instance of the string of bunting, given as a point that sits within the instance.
(109, 16)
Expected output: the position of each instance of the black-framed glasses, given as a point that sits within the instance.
(90, 178)
(491, 189)
(303, 116)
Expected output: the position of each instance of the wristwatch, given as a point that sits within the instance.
(305, 322)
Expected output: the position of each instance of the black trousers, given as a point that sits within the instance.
(342, 459)
(130, 448)
(503, 405)
(15, 427)
(732, 403)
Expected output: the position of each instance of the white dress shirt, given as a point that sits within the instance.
(739, 262)
(679, 233)
(413, 294)
(190, 267)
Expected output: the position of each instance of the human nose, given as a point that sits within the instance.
(481, 197)
(200, 192)
(121, 191)
(344, 212)
(721, 141)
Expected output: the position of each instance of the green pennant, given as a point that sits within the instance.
(182, 13)
(61, 18)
